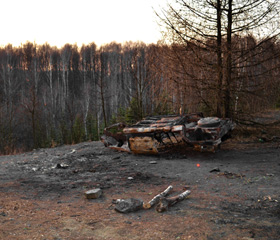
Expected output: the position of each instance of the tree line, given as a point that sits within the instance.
(51, 96)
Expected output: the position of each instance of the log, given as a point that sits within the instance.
(157, 198)
(165, 203)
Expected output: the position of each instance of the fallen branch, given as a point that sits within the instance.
(165, 203)
(157, 198)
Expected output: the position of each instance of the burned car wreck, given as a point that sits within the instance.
(157, 134)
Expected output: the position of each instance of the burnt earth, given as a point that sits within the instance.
(234, 193)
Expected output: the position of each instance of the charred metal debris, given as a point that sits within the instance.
(157, 134)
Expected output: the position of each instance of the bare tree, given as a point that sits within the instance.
(205, 29)
(65, 60)
(103, 72)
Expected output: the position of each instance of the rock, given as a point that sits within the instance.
(128, 205)
(73, 151)
(3, 214)
(153, 162)
(61, 166)
(93, 194)
(215, 170)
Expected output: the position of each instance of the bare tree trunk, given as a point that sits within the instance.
(51, 81)
(86, 99)
(103, 70)
(36, 77)
(219, 61)
(103, 102)
(63, 96)
(227, 100)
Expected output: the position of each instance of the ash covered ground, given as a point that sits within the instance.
(234, 193)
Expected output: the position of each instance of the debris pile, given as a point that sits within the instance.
(161, 202)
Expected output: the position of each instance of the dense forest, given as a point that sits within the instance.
(51, 96)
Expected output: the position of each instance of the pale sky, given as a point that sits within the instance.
(78, 21)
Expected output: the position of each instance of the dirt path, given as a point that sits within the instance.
(234, 193)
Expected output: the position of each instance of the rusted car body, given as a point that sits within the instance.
(157, 134)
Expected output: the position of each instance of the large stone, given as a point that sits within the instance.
(93, 194)
(128, 205)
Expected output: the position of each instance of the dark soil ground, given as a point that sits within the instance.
(234, 193)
